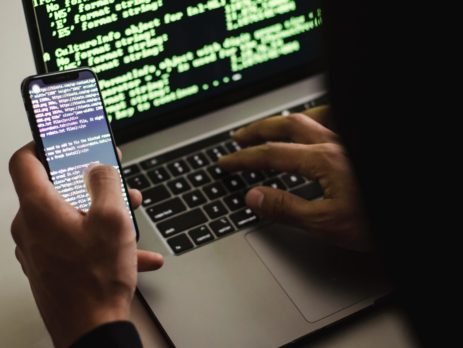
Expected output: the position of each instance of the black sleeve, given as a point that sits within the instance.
(120, 334)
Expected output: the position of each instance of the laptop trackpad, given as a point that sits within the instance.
(319, 279)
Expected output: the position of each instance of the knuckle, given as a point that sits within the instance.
(16, 229)
(334, 149)
(14, 161)
(329, 152)
(15, 223)
(278, 205)
(110, 216)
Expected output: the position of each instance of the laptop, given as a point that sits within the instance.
(177, 80)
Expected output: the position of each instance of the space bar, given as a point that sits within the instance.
(181, 223)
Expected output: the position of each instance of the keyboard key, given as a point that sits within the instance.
(270, 173)
(179, 186)
(292, 180)
(215, 209)
(253, 177)
(158, 175)
(214, 191)
(216, 172)
(199, 178)
(195, 198)
(178, 168)
(165, 210)
(150, 163)
(138, 182)
(201, 235)
(131, 170)
(181, 223)
(244, 218)
(185, 150)
(198, 161)
(180, 244)
(235, 201)
(216, 152)
(234, 183)
(155, 195)
(221, 227)
(310, 191)
(275, 183)
(232, 146)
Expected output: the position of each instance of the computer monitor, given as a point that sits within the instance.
(162, 62)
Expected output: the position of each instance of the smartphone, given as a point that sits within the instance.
(71, 131)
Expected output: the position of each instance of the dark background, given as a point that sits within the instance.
(395, 109)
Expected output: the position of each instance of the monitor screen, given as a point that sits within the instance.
(153, 56)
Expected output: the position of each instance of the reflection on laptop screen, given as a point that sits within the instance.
(153, 56)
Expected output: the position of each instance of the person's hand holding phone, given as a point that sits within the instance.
(82, 267)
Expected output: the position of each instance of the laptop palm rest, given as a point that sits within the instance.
(320, 280)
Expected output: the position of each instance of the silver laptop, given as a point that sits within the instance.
(177, 79)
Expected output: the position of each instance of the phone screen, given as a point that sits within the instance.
(71, 122)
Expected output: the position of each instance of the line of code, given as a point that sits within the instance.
(151, 54)
(72, 125)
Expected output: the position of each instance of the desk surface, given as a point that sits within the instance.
(20, 322)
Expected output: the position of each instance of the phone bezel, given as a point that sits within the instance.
(57, 77)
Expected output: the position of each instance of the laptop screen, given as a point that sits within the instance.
(155, 57)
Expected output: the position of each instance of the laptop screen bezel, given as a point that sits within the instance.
(193, 110)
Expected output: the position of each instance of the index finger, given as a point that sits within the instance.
(298, 128)
(28, 173)
(282, 157)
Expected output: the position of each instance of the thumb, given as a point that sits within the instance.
(104, 187)
(280, 206)
(149, 261)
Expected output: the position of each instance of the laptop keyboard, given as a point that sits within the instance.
(192, 201)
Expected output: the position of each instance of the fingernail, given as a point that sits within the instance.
(254, 199)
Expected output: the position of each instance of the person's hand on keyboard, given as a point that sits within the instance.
(298, 144)
(82, 267)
